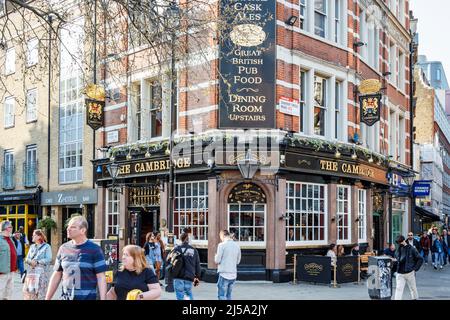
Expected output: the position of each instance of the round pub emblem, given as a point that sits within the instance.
(369, 86)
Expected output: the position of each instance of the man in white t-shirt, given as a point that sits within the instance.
(227, 257)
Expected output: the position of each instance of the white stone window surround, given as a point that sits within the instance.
(112, 211)
(362, 215)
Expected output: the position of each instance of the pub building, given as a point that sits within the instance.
(342, 128)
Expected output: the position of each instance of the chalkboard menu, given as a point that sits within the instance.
(247, 64)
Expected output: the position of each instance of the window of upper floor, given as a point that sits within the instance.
(32, 52)
(10, 61)
(9, 112)
(32, 105)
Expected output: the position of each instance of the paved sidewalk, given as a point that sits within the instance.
(431, 284)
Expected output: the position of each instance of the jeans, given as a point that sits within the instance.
(20, 265)
(446, 256)
(182, 288)
(439, 258)
(224, 287)
(433, 257)
(424, 255)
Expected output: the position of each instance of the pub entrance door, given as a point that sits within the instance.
(141, 222)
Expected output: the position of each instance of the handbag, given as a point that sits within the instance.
(32, 281)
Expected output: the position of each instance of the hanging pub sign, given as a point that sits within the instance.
(95, 113)
(370, 108)
(247, 64)
(95, 105)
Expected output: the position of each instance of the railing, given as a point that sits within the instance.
(8, 177)
(30, 174)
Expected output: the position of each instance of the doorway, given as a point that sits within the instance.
(67, 213)
(142, 221)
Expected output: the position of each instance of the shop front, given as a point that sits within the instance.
(297, 201)
(62, 205)
(22, 208)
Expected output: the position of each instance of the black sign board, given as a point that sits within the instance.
(314, 269)
(247, 64)
(370, 108)
(347, 269)
(95, 113)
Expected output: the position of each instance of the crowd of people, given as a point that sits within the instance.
(80, 266)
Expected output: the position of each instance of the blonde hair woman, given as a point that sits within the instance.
(134, 274)
(38, 260)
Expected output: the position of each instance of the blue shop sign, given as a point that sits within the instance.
(421, 188)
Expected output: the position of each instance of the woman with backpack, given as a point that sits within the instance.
(38, 260)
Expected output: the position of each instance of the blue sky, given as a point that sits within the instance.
(434, 30)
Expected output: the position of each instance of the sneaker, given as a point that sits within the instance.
(442, 267)
(434, 266)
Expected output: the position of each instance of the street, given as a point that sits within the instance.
(431, 284)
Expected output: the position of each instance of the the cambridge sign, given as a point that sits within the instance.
(247, 64)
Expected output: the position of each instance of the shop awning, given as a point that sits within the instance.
(427, 214)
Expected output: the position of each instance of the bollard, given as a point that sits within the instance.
(295, 269)
(334, 280)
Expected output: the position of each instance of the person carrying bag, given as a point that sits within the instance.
(38, 259)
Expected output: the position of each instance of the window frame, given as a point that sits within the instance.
(324, 15)
(362, 216)
(9, 112)
(301, 200)
(348, 214)
(181, 198)
(10, 61)
(253, 226)
(34, 110)
(324, 108)
(33, 53)
(112, 200)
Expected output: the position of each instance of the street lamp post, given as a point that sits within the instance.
(173, 21)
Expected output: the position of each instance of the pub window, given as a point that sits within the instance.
(112, 213)
(320, 105)
(362, 237)
(343, 214)
(307, 212)
(320, 17)
(247, 221)
(191, 209)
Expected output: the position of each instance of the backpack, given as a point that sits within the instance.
(176, 265)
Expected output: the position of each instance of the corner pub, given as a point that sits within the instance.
(330, 182)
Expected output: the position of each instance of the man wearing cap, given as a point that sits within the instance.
(8, 260)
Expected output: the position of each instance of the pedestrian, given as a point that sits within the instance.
(149, 249)
(408, 262)
(80, 264)
(332, 253)
(340, 251)
(438, 247)
(189, 273)
(24, 237)
(157, 256)
(38, 260)
(432, 236)
(390, 250)
(163, 255)
(227, 257)
(355, 250)
(425, 246)
(8, 261)
(446, 242)
(134, 274)
(413, 241)
(20, 250)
